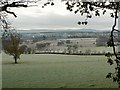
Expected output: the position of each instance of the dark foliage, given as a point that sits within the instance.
(87, 8)
(48, 3)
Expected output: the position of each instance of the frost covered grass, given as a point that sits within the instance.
(56, 71)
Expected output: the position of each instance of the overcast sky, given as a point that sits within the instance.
(55, 17)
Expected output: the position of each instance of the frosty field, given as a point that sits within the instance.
(56, 71)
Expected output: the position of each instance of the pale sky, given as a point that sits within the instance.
(55, 17)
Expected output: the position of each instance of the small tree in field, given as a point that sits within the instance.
(11, 46)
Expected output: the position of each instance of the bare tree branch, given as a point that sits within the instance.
(13, 4)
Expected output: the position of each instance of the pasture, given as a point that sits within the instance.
(56, 71)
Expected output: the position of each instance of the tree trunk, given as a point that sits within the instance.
(119, 49)
(15, 59)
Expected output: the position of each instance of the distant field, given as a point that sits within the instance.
(97, 49)
(57, 71)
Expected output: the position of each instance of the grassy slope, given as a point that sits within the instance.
(41, 71)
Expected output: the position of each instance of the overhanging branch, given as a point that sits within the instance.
(13, 4)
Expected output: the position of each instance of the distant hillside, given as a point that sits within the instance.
(60, 30)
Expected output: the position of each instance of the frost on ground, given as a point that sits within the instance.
(56, 71)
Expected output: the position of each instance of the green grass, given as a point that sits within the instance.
(56, 71)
